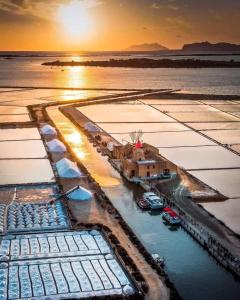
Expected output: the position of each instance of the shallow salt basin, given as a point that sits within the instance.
(22, 149)
(20, 171)
(224, 136)
(237, 114)
(168, 101)
(217, 102)
(184, 108)
(74, 95)
(12, 110)
(145, 127)
(28, 94)
(55, 244)
(14, 118)
(44, 95)
(169, 139)
(123, 113)
(9, 89)
(35, 216)
(228, 107)
(215, 125)
(73, 264)
(203, 117)
(19, 134)
(227, 212)
(25, 102)
(202, 157)
(225, 181)
(236, 148)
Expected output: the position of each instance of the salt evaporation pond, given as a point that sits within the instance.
(14, 118)
(13, 110)
(203, 116)
(202, 158)
(124, 113)
(62, 265)
(217, 102)
(215, 125)
(237, 114)
(224, 136)
(222, 210)
(236, 148)
(22, 149)
(37, 96)
(169, 139)
(20, 171)
(74, 95)
(36, 216)
(169, 101)
(225, 181)
(228, 107)
(144, 127)
(184, 108)
(19, 134)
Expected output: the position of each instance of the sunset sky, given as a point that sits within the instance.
(115, 24)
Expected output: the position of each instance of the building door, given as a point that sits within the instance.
(132, 173)
(148, 174)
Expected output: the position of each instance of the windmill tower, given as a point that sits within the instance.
(135, 138)
(137, 151)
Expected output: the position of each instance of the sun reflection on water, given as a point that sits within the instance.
(79, 143)
(74, 138)
(76, 76)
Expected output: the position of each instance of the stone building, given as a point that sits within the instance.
(141, 160)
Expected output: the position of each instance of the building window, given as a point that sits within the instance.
(148, 167)
(153, 166)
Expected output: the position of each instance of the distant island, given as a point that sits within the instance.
(206, 46)
(148, 63)
(147, 47)
(200, 46)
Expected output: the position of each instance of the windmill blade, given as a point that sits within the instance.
(139, 134)
(132, 136)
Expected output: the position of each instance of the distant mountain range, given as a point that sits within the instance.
(206, 46)
(202, 46)
(146, 47)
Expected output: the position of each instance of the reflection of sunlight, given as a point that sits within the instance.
(74, 138)
(80, 153)
(105, 181)
(75, 77)
(76, 57)
(96, 165)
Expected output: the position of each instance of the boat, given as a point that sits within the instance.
(171, 216)
(153, 200)
(160, 261)
(142, 203)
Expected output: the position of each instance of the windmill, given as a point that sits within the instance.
(135, 137)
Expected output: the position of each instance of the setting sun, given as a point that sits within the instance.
(75, 19)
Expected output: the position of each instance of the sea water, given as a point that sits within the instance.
(28, 71)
